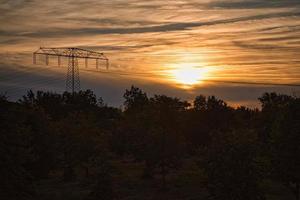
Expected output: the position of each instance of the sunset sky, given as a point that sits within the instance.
(179, 48)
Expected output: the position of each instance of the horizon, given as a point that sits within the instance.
(258, 104)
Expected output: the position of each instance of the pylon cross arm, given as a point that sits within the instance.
(73, 54)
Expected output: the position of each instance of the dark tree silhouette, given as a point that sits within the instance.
(135, 99)
(103, 188)
(168, 147)
(102, 152)
(282, 126)
(15, 181)
(208, 114)
(231, 166)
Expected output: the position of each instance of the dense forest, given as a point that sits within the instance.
(74, 146)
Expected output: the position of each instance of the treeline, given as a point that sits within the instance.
(78, 137)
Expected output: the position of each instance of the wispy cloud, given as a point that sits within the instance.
(170, 27)
(254, 4)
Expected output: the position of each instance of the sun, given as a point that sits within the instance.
(188, 75)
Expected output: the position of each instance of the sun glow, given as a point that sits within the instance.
(188, 75)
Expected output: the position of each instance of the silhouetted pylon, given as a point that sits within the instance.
(73, 54)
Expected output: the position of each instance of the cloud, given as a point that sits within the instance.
(259, 46)
(170, 27)
(253, 4)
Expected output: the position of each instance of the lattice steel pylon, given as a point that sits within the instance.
(73, 54)
(73, 80)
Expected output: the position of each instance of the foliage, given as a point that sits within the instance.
(284, 138)
(103, 188)
(232, 168)
(76, 139)
(16, 181)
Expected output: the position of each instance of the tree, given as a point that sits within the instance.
(103, 189)
(58, 106)
(130, 133)
(214, 104)
(82, 101)
(282, 117)
(200, 103)
(79, 142)
(167, 147)
(15, 179)
(135, 99)
(272, 104)
(42, 142)
(231, 166)
(272, 101)
(51, 103)
(151, 131)
(208, 114)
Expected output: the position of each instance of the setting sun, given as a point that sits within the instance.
(188, 75)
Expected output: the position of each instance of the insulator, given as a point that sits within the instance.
(34, 58)
(58, 60)
(47, 59)
(86, 63)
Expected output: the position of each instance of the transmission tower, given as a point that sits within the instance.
(73, 54)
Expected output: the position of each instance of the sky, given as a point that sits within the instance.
(180, 48)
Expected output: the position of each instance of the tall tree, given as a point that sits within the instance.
(167, 149)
